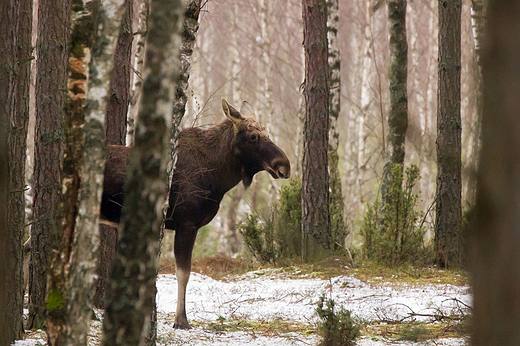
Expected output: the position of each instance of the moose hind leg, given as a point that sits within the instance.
(183, 247)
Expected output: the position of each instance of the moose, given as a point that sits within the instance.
(210, 162)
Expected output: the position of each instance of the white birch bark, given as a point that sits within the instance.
(86, 236)
(138, 64)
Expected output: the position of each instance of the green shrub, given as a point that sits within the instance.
(258, 237)
(392, 233)
(337, 326)
(288, 233)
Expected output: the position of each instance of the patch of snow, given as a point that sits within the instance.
(270, 297)
(267, 296)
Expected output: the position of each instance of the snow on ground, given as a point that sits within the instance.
(267, 296)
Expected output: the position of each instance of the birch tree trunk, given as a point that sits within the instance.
(138, 64)
(495, 256)
(315, 177)
(478, 20)
(132, 285)
(448, 223)
(81, 273)
(398, 75)
(68, 302)
(337, 223)
(116, 134)
(51, 85)
(15, 62)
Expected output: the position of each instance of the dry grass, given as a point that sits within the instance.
(216, 267)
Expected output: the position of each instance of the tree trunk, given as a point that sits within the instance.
(15, 62)
(116, 125)
(138, 63)
(478, 21)
(81, 273)
(108, 236)
(448, 223)
(495, 256)
(398, 73)
(132, 285)
(119, 94)
(10, 331)
(315, 177)
(63, 232)
(337, 206)
(51, 86)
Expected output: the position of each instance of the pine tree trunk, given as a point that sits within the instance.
(398, 75)
(495, 253)
(63, 232)
(81, 273)
(315, 177)
(117, 107)
(15, 62)
(132, 285)
(51, 86)
(448, 223)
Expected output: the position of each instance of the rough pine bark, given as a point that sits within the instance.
(81, 273)
(51, 88)
(15, 61)
(315, 177)
(398, 75)
(63, 232)
(10, 331)
(495, 258)
(448, 223)
(117, 107)
(132, 285)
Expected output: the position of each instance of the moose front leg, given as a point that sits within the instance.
(183, 247)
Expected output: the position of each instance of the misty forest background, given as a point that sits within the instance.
(408, 119)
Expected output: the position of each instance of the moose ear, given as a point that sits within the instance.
(231, 113)
(247, 110)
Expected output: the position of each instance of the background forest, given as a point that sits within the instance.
(252, 50)
(398, 109)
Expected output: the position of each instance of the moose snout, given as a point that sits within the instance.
(282, 168)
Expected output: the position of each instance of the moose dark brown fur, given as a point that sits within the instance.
(210, 162)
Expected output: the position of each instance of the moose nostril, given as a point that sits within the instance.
(284, 172)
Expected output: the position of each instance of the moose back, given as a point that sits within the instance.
(210, 162)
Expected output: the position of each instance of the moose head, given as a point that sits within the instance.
(252, 145)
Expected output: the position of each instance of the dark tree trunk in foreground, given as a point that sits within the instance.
(315, 177)
(448, 221)
(51, 92)
(495, 257)
(15, 61)
(132, 285)
(398, 74)
(10, 331)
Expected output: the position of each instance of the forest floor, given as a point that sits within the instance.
(277, 306)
